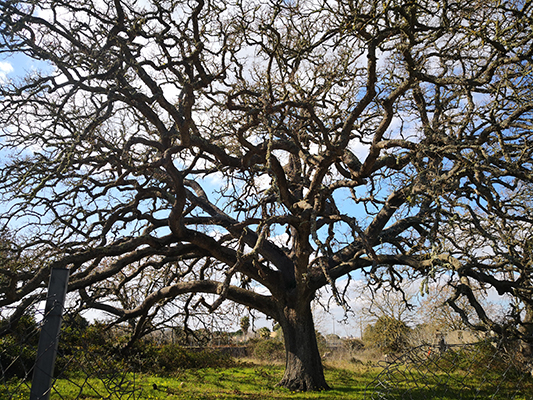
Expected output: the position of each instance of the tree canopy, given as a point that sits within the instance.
(260, 151)
(388, 334)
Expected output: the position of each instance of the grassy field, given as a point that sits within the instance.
(242, 381)
(246, 381)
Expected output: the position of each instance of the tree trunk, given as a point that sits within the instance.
(527, 330)
(303, 368)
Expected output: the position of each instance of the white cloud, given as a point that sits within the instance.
(5, 68)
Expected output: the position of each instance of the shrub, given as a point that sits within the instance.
(170, 358)
(16, 358)
(18, 348)
(354, 344)
(482, 358)
(268, 349)
(95, 347)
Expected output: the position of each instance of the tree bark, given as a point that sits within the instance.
(303, 366)
(527, 330)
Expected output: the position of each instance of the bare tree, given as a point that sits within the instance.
(399, 304)
(490, 248)
(259, 151)
(436, 312)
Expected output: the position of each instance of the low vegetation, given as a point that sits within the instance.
(99, 363)
(250, 380)
(243, 381)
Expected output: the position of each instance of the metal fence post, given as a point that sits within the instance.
(49, 337)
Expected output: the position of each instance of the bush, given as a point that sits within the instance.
(268, 349)
(85, 347)
(354, 344)
(95, 347)
(170, 358)
(88, 347)
(481, 359)
(16, 358)
(18, 348)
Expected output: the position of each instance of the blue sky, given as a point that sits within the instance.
(18, 65)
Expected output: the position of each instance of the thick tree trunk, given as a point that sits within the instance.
(303, 368)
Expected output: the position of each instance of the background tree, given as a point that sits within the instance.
(258, 152)
(400, 303)
(264, 332)
(245, 325)
(387, 334)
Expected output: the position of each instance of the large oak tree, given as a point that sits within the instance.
(257, 152)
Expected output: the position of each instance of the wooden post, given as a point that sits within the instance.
(49, 338)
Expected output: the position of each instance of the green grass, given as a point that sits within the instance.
(243, 381)
(239, 382)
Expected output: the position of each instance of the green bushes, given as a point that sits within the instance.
(170, 358)
(95, 348)
(16, 359)
(18, 348)
(267, 350)
(162, 360)
(483, 358)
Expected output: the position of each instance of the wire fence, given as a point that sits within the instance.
(91, 363)
(487, 369)
(87, 364)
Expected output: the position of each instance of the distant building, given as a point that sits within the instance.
(461, 337)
